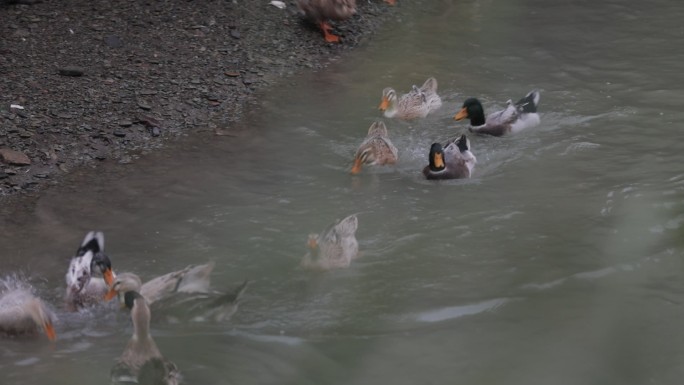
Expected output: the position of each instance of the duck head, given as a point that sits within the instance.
(389, 97)
(42, 317)
(437, 162)
(124, 283)
(472, 109)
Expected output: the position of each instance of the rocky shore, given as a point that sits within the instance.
(90, 81)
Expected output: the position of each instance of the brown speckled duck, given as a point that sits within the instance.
(418, 103)
(335, 247)
(376, 149)
(320, 11)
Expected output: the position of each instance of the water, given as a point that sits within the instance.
(559, 262)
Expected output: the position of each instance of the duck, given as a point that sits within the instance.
(335, 247)
(417, 103)
(191, 279)
(84, 288)
(141, 361)
(181, 305)
(451, 161)
(376, 149)
(320, 11)
(23, 313)
(513, 119)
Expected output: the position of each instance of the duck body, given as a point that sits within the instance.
(191, 301)
(376, 149)
(513, 119)
(22, 313)
(335, 247)
(454, 160)
(417, 103)
(141, 361)
(84, 287)
(320, 11)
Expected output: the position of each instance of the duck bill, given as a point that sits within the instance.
(108, 276)
(462, 114)
(439, 161)
(50, 331)
(110, 294)
(357, 166)
(384, 104)
(313, 244)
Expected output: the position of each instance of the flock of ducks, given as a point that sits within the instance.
(182, 295)
(185, 295)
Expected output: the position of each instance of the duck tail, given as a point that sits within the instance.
(529, 103)
(93, 241)
(430, 85)
(225, 305)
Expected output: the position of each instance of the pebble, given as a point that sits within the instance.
(125, 123)
(14, 157)
(113, 41)
(119, 133)
(70, 71)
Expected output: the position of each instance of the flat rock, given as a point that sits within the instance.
(70, 71)
(14, 157)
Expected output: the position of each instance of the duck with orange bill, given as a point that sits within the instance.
(320, 11)
(513, 119)
(417, 103)
(22, 313)
(454, 160)
(376, 149)
(90, 273)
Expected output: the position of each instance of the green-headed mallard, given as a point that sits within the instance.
(22, 313)
(141, 360)
(418, 103)
(453, 161)
(89, 274)
(376, 149)
(320, 11)
(335, 247)
(514, 118)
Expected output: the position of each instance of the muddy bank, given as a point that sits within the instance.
(86, 82)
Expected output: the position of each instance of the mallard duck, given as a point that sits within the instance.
(376, 149)
(192, 279)
(141, 361)
(83, 287)
(180, 305)
(320, 11)
(453, 161)
(514, 118)
(22, 313)
(335, 247)
(418, 103)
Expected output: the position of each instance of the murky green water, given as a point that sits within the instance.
(559, 262)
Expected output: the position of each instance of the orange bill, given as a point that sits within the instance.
(462, 114)
(312, 243)
(110, 294)
(384, 104)
(439, 160)
(50, 331)
(357, 166)
(108, 276)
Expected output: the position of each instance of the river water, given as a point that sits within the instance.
(559, 262)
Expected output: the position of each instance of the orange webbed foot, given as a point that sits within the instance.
(329, 36)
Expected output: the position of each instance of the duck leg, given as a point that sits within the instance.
(327, 34)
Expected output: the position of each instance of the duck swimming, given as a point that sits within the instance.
(335, 247)
(22, 313)
(141, 361)
(181, 304)
(453, 161)
(376, 149)
(83, 287)
(513, 119)
(418, 103)
(320, 11)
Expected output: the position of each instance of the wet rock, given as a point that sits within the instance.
(70, 71)
(3, 175)
(113, 41)
(143, 105)
(119, 133)
(125, 123)
(154, 131)
(234, 33)
(14, 157)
